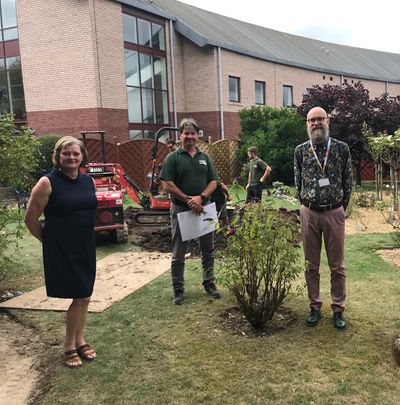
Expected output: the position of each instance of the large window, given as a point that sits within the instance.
(8, 23)
(234, 89)
(146, 76)
(287, 96)
(11, 87)
(260, 92)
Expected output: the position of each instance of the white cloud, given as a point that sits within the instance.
(372, 25)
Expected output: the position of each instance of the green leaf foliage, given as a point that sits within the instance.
(11, 230)
(45, 152)
(261, 261)
(19, 155)
(275, 132)
(18, 165)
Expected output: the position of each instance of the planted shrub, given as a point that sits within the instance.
(261, 262)
(11, 230)
(45, 152)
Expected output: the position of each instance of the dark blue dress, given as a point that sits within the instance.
(69, 245)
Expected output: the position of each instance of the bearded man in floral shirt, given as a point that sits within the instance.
(323, 178)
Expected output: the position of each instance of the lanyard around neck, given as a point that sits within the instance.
(322, 167)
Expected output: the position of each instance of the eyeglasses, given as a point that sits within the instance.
(313, 120)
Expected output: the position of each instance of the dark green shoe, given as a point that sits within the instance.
(338, 321)
(314, 317)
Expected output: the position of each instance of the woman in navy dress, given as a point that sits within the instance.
(68, 200)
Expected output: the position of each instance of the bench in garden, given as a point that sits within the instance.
(11, 196)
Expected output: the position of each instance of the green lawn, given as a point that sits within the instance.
(153, 352)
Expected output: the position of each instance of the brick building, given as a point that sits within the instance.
(130, 67)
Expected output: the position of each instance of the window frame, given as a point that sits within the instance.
(162, 93)
(263, 92)
(283, 96)
(237, 79)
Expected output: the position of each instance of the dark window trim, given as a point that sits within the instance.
(144, 16)
(229, 93)
(263, 83)
(144, 49)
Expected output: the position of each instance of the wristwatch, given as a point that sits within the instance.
(203, 198)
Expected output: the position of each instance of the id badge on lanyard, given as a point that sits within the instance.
(324, 181)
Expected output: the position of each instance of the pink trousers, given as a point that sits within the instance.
(331, 226)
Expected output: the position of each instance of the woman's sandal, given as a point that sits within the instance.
(86, 352)
(71, 359)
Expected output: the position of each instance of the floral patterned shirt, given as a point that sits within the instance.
(338, 170)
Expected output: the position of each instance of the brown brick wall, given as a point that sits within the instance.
(209, 122)
(71, 122)
(232, 125)
(72, 54)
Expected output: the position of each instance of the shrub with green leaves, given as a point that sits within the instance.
(46, 147)
(261, 262)
(275, 132)
(19, 155)
(364, 199)
(11, 230)
(18, 165)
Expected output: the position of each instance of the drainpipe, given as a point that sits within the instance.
(99, 114)
(221, 104)
(341, 80)
(386, 87)
(171, 47)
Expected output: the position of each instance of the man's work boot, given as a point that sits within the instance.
(338, 321)
(314, 317)
(178, 298)
(210, 289)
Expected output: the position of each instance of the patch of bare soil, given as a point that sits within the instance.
(158, 239)
(390, 255)
(235, 323)
(23, 361)
(366, 220)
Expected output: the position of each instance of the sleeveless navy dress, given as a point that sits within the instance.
(69, 245)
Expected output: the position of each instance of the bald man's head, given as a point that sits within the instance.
(317, 125)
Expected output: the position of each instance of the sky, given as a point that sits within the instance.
(364, 24)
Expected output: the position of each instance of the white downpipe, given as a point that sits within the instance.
(221, 103)
(171, 46)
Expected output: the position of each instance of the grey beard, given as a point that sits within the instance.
(318, 135)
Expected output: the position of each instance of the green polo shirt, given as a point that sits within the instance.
(257, 168)
(190, 174)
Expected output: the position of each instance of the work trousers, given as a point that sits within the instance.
(331, 226)
(254, 193)
(179, 249)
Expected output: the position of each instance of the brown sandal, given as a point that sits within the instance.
(86, 352)
(71, 359)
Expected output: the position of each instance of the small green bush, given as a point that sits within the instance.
(18, 165)
(18, 155)
(11, 230)
(261, 261)
(46, 147)
(364, 199)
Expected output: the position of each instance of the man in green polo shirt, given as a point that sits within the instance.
(258, 173)
(189, 176)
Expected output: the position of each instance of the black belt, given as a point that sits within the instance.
(321, 208)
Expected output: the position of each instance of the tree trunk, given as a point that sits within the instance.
(393, 185)
(395, 192)
(379, 180)
(358, 173)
